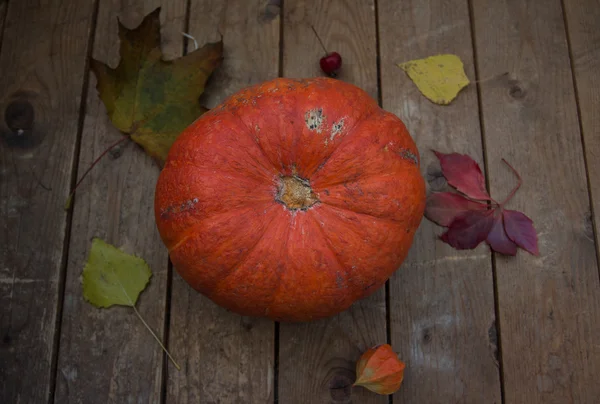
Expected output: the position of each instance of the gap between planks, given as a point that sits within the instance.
(581, 132)
(487, 184)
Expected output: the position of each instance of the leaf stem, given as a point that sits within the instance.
(192, 38)
(319, 38)
(112, 146)
(515, 189)
(494, 203)
(132, 304)
(156, 338)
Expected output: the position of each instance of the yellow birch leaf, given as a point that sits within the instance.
(113, 277)
(439, 78)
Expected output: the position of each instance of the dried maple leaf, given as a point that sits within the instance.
(475, 216)
(150, 98)
(380, 370)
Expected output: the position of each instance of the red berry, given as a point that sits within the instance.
(331, 63)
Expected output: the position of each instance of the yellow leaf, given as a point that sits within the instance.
(150, 98)
(439, 78)
(112, 277)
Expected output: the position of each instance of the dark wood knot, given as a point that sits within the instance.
(427, 336)
(6, 339)
(116, 152)
(247, 324)
(19, 117)
(516, 91)
(340, 386)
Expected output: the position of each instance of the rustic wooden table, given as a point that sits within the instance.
(472, 327)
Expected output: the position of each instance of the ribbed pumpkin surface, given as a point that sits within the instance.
(291, 200)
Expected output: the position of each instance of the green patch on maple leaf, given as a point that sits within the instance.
(152, 99)
(112, 277)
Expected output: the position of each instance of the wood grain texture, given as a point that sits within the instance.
(3, 8)
(226, 358)
(42, 65)
(549, 305)
(317, 360)
(582, 17)
(107, 355)
(441, 300)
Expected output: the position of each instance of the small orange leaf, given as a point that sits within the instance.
(380, 370)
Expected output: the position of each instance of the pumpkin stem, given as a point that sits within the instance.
(296, 193)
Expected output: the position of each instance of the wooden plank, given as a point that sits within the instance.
(107, 355)
(549, 305)
(582, 18)
(441, 300)
(42, 64)
(226, 358)
(317, 359)
(3, 8)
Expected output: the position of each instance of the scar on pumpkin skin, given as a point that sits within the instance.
(314, 119)
(179, 208)
(408, 155)
(336, 128)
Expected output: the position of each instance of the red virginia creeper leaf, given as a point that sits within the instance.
(443, 207)
(469, 218)
(464, 174)
(519, 229)
(469, 229)
(497, 238)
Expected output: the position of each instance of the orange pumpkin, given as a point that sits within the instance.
(291, 200)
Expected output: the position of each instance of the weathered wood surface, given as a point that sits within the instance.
(317, 360)
(3, 8)
(107, 355)
(583, 17)
(42, 64)
(225, 358)
(549, 306)
(442, 313)
(441, 300)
